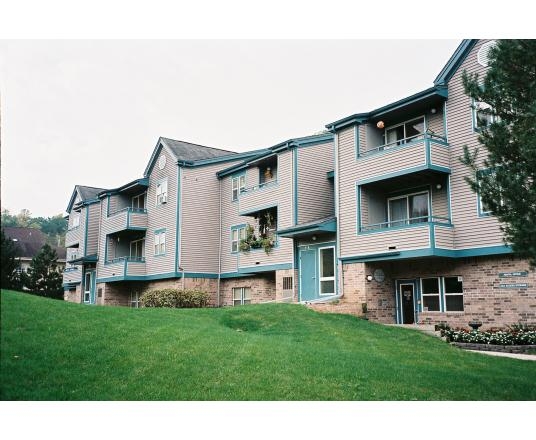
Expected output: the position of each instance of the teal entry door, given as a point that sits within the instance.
(308, 275)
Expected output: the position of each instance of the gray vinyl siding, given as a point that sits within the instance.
(470, 229)
(315, 190)
(435, 122)
(444, 237)
(93, 228)
(201, 218)
(82, 229)
(279, 194)
(440, 202)
(162, 217)
(347, 175)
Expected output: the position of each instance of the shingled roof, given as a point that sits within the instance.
(89, 192)
(190, 152)
(29, 241)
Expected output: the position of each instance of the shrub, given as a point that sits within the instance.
(515, 335)
(175, 298)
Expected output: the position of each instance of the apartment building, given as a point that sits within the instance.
(372, 216)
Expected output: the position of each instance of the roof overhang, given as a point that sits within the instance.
(454, 62)
(324, 225)
(414, 103)
(86, 259)
(138, 184)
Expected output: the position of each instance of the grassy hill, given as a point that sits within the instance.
(52, 350)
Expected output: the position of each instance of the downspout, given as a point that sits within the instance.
(219, 250)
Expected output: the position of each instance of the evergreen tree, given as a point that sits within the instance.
(43, 276)
(505, 178)
(10, 263)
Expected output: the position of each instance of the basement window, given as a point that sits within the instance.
(241, 296)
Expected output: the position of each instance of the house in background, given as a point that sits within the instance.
(371, 216)
(28, 242)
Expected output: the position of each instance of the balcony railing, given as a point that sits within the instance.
(125, 258)
(423, 137)
(414, 221)
(126, 218)
(260, 186)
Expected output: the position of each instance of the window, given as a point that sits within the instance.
(237, 234)
(138, 202)
(402, 133)
(137, 248)
(483, 208)
(87, 287)
(160, 243)
(453, 294)
(327, 271)
(135, 300)
(239, 185)
(241, 296)
(412, 208)
(482, 117)
(430, 294)
(76, 220)
(161, 192)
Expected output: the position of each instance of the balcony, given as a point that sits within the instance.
(125, 219)
(412, 154)
(123, 268)
(410, 222)
(258, 197)
(73, 236)
(72, 275)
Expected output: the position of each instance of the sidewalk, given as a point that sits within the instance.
(525, 357)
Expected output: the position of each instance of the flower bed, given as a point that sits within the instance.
(515, 335)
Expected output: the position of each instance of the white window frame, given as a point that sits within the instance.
(160, 243)
(438, 294)
(237, 234)
(476, 108)
(76, 221)
(137, 198)
(87, 289)
(404, 139)
(453, 294)
(407, 196)
(238, 185)
(244, 299)
(320, 267)
(135, 243)
(161, 192)
(135, 300)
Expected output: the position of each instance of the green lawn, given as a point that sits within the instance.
(52, 350)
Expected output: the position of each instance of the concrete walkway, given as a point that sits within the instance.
(525, 357)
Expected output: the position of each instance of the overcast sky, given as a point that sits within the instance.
(90, 112)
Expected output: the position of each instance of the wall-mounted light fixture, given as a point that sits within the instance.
(380, 124)
(438, 186)
(433, 111)
(369, 278)
(313, 238)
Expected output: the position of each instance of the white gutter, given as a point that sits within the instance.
(340, 284)
(219, 252)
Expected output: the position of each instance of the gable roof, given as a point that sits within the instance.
(454, 62)
(185, 152)
(86, 193)
(29, 241)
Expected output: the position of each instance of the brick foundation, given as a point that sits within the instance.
(484, 300)
(263, 288)
(286, 295)
(73, 295)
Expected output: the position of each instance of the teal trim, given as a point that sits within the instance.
(411, 225)
(177, 219)
(357, 141)
(265, 268)
(157, 277)
(426, 140)
(235, 275)
(432, 235)
(70, 285)
(454, 62)
(427, 252)
(321, 226)
(428, 95)
(143, 183)
(404, 172)
(445, 132)
(358, 204)
(330, 174)
(295, 184)
(257, 209)
(108, 207)
(159, 231)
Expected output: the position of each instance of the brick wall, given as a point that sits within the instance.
(287, 296)
(263, 288)
(73, 295)
(484, 300)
